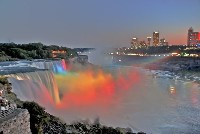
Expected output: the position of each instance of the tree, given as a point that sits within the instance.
(38, 116)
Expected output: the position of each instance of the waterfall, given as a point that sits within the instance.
(13, 67)
(38, 86)
(57, 66)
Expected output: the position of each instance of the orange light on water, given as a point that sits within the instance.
(92, 87)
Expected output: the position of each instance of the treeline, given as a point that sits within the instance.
(83, 49)
(12, 51)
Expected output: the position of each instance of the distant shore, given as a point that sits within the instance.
(183, 68)
(175, 64)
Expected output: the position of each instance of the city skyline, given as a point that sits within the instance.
(96, 23)
(157, 40)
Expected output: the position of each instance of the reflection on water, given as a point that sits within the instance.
(172, 90)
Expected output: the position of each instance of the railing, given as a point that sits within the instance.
(4, 113)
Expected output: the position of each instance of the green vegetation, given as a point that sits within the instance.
(4, 83)
(12, 51)
(83, 49)
(3, 80)
(37, 116)
(12, 97)
(42, 122)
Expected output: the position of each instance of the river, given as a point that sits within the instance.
(144, 102)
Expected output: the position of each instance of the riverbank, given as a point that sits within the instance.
(174, 64)
(182, 68)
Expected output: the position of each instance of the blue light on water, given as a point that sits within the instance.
(59, 69)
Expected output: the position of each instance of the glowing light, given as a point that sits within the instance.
(61, 68)
(89, 87)
(132, 54)
(175, 54)
(172, 90)
(56, 52)
(199, 36)
(81, 88)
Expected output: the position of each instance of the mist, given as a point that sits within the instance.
(100, 56)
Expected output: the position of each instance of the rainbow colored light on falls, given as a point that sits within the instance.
(61, 69)
(91, 87)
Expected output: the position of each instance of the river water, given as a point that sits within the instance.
(158, 105)
(161, 105)
(152, 104)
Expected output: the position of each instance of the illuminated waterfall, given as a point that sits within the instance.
(57, 66)
(61, 88)
(31, 85)
(39, 85)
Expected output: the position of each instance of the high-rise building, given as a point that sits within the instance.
(155, 38)
(134, 42)
(193, 37)
(149, 41)
(142, 44)
(163, 42)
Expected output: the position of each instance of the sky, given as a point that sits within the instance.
(96, 23)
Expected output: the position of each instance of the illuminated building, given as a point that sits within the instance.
(193, 37)
(58, 53)
(134, 42)
(163, 42)
(142, 44)
(155, 38)
(149, 41)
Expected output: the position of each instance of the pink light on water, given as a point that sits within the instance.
(92, 87)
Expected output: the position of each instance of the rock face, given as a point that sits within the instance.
(17, 122)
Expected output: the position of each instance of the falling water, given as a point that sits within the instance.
(31, 85)
(38, 85)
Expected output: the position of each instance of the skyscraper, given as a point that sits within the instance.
(149, 41)
(155, 38)
(142, 44)
(193, 37)
(134, 42)
(163, 42)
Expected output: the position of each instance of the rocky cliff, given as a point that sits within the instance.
(17, 122)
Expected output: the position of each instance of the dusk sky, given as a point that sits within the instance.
(96, 23)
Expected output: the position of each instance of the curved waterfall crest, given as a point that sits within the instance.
(35, 83)
(41, 82)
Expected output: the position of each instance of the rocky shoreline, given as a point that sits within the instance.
(175, 64)
(178, 68)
